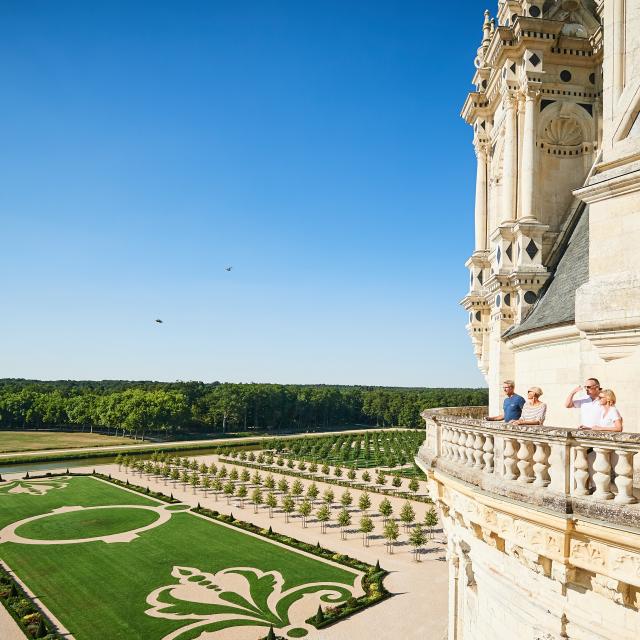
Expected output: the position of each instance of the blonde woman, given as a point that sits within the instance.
(610, 418)
(533, 411)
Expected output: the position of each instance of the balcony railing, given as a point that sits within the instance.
(567, 470)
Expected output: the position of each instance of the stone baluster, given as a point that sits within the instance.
(455, 451)
(450, 445)
(558, 469)
(624, 477)
(443, 442)
(602, 474)
(509, 459)
(524, 462)
(478, 443)
(540, 466)
(488, 454)
(469, 448)
(581, 471)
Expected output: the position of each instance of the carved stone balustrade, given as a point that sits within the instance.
(570, 471)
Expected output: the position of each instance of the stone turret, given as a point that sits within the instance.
(536, 114)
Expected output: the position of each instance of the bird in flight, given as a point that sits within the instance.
(228, 268)
(158, 321)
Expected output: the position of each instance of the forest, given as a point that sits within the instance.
(139, 408)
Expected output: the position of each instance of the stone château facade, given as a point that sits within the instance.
(554, 291)
(543, 523)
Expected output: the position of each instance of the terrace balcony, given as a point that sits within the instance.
(568, 471)
(543, 527)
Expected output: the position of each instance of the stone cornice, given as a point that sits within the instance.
(544, 337)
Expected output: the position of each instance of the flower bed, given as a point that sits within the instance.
(24, 611)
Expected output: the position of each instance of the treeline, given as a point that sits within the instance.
(138, 408)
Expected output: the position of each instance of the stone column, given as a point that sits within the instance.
(481, 198)
(618, 48)
(509, 165)
(527, 176)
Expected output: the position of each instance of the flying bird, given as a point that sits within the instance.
(158, 321)
(228, 268)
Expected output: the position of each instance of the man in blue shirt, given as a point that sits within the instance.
(512, 405)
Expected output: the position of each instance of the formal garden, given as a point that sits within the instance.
(389, 448)
(354, 505)
(108, 558)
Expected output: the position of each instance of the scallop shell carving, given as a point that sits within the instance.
(563, 132)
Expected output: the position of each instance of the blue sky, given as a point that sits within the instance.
(316, 147)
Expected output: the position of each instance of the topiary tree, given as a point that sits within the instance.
(256, 499)
(216, 485)
(364, 502)
(271, 502)
(228, 489)
(366, 527)
(297, 489)
(417, 538)
(431, 520)
(391, 532)
(269, 482)
(325, 469)
(288, 506)
(346, 499)
(312, 492)
(328, 496)
(304, 509)
(344, 520)
(397, 481)
(407, 515)
(245, 476)
(366, 477)
(385, 509)
(323, 514)
(319, 618)
(283, 485)
(242, 492)
(414, 485)
(381, 478)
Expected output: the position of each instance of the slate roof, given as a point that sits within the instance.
(556, 305)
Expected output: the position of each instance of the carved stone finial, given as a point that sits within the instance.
(486, 27)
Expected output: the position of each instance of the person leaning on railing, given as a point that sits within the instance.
(610, 418)
(512, 405)
(533, 411)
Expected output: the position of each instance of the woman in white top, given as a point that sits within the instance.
(533, 411)
(610, 418)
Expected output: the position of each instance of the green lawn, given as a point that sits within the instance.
(86, 524)
(99, 590)
(16, 441)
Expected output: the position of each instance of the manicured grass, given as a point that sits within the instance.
(82, 492)
(86, 524)
(16, 441)
(99, 590)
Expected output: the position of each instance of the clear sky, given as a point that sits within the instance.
(314, 146)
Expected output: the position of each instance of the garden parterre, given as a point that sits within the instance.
(298, 496)
(151, 584)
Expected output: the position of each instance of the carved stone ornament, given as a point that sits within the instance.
(563, 132)
(588, 554)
